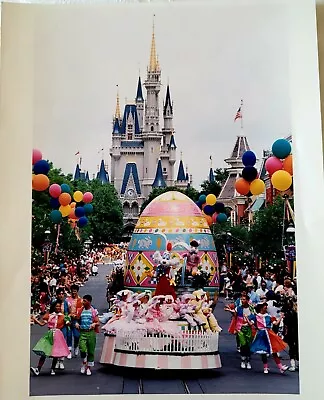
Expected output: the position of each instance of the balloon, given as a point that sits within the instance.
(54, 203)
(79, 212)
(249, 158)
(40, 182)
(73, 204)
(203, 206)
(281, 148)
(242, 186)
(87, 197)
(273, 164)
(219, 207)
(221, 218)
(198, 204)
(65, 188)
(249, 173)
(72, 213)
(257, 187)
(211, 199)
(41, 167)
(82, 222)
(209, 210)
(37, 156)
(65, 210)
(214, 217)
(56, 216)
(65, 199)
(88, 208)
(209, 220)
(202, 199)
(169, 246)
(281, 180)
(55, 190)
(288, 164)
(78, 196)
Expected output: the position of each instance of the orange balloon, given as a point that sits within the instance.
(40, 182)
(209, 220)
(242, 186)
(65, 199)
(288, 164)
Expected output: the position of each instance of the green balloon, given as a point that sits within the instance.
(56, 216)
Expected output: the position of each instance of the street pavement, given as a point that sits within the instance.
(113, 380)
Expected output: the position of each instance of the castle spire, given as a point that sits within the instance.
(168, 104)
(117, 113)
(153, 58)
(159, 179)
(139, 94)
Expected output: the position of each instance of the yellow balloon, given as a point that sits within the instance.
(257, 187)
(78, 196)
(65, 210)
(281, 180)
(211, 199)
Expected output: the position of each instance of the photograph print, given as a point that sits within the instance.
(163, 227)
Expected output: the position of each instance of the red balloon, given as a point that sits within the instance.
(87, 197)
(55, 190)
(214, 217)
(169, 246)
(273, 164)
(37, 156)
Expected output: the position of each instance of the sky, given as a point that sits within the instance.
(211, 56)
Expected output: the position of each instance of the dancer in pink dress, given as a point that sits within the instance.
(52, 344)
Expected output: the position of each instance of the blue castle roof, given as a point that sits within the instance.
(102, 175)
(77, 173)
(211, 175)
(181, 173)
(116, 128)
(139, 94)
(130, 169)
(167, 102)
(172, 142)
(159, 180)
(130, 109)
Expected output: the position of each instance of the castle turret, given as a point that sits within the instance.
(159, 180)
(181, 177)
(103, 173)
(116, 139)
(139, 101)
(77, 173)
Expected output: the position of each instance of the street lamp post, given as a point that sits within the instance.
(47, 246)
(290, 249)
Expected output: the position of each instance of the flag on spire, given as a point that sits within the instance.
(238, 114)
(77, 153)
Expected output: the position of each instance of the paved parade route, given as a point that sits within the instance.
(111, 380)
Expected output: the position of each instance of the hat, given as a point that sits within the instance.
(194, 243)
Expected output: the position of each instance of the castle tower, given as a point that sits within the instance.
(168, 149)
(159, 181)
(152, 134)
(181, 182)
(116, 140)
(103, 173)
(229, 195)
(211, 176)
(139, 101)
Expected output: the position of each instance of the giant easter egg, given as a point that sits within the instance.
(171, 217)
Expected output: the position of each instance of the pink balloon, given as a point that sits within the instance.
(37, 156)
(87, 197)
(273, 164)
(55, 190)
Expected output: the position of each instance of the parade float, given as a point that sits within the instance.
(171, 256)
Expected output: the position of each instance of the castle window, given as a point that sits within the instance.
(152, 128)
(130, 136)
(152, 150)
(130, 126)
(164, 170)
(146, 170)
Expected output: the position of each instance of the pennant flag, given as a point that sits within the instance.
(77, 153)
(238, 114)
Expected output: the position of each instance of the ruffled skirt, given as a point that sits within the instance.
(267, 342)
(52, 344)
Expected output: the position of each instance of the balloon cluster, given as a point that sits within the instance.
(249, 184)
(40, 180)
(280, 165)
(212, 210)
(76, 207)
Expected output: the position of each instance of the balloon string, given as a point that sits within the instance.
(57, 237)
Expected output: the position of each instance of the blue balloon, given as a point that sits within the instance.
(219, 207)
(56, 216)
(202, 199)
(79, 212)
(198, 204)
(249, 158)
(82, 222)
(41, 167)
(54, 203)
(65, 188)
(281, 148)
(221, 218)
(88, 208)
(209, 210)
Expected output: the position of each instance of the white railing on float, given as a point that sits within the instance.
(186, 342)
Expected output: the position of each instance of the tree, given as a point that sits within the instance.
(210, 188)
(221, 174)
(107, 219)
(267, 230)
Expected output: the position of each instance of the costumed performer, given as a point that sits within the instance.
(192, 257)
(243, 329)
(198, 301)
(291, 332)
(266, 342)
(52, 344)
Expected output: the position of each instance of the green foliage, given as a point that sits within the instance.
(221, 174)
(210, 188)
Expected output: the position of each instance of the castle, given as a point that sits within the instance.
(143, 151)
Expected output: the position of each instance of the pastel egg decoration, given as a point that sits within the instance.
(172, 218)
